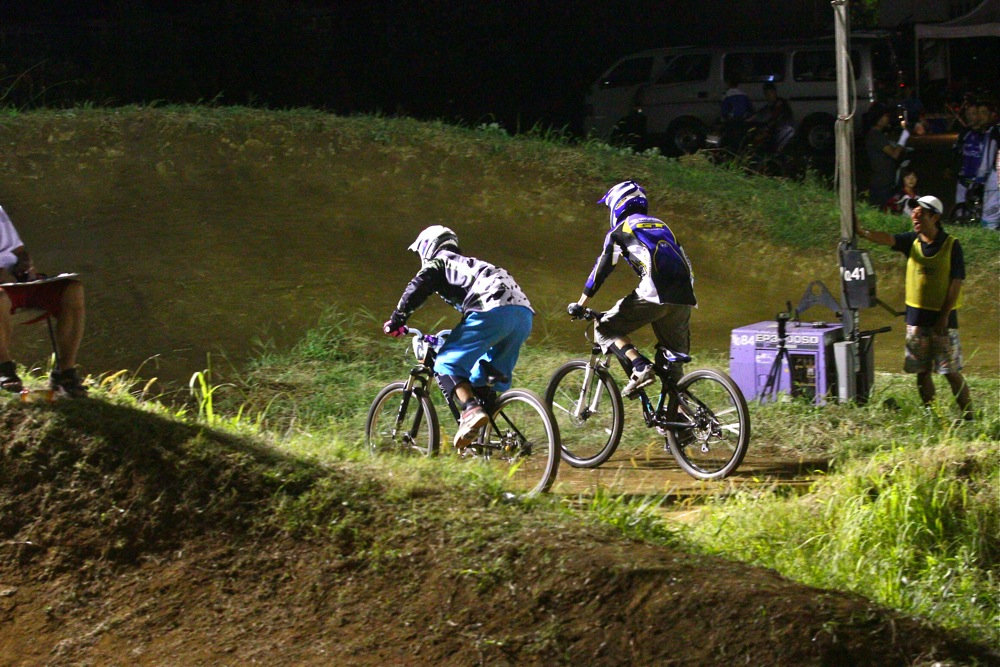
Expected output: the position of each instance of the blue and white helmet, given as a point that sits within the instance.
(627, 196)
(433, 239)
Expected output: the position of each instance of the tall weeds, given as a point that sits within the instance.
(917, 530)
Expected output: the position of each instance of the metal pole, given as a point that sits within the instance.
(844, 135)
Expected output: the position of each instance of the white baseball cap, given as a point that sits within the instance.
(932, 204)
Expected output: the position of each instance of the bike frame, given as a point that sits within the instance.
(420, 375)
(668, 398)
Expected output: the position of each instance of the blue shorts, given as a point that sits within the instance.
(495, 335)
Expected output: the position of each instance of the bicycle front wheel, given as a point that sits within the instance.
(719, 436)
(522, 442)
(402, 422)
(588, 409)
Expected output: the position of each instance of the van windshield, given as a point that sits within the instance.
(629, 73)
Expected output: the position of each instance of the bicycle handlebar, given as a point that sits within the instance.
(589, 315)
(433, 339)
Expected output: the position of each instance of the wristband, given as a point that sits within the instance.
(903, 137)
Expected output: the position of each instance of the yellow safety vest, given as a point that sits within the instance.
(928, 278)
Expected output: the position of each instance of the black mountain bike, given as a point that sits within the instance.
(703, 416)
(521, 438)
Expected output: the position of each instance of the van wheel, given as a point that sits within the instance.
(686, 136)
(817, 134)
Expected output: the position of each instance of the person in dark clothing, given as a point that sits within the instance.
(883, 154)
(776, 120)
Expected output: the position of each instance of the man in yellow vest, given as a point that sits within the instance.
(935, 269)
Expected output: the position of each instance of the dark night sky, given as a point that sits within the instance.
(473, 60)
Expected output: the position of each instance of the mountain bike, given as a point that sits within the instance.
(703, 416)
(521, 438)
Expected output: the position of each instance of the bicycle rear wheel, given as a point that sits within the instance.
(719, 436)
(590, 414)
(402, 422)
(522, 442)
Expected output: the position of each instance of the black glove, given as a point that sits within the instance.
(395, 326)
(575, 311)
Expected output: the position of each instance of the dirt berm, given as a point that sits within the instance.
(127, 538)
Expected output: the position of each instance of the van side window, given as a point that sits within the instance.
(687, 68)
(820, 65)
(754, 66)
(629, 73)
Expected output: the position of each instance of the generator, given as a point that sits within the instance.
(807, 369)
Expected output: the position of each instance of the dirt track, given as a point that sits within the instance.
(656, 473)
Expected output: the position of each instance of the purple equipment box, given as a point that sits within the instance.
(810, 371)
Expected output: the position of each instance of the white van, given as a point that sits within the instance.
(670, 97)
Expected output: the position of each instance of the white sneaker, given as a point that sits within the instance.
(472, 420)
(639, 380)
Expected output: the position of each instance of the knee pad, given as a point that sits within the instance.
(447, 383)
(620, 354)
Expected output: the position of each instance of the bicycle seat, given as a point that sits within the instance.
(671, 357)
(493, 374)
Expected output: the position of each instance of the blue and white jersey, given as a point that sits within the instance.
(466, 283)
(971, 147)
(654, 253)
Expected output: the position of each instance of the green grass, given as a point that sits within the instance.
(914, 528)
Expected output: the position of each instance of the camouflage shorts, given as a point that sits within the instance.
(927, 352)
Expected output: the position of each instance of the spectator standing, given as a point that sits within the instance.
(883, 154)
(990, 168)
(935, 270)
(969, 149)
(913, 108)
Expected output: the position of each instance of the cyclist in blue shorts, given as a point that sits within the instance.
(665, 294)
(496, 320)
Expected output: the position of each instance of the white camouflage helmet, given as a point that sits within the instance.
(433, 239)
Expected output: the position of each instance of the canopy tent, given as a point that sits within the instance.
(983, 21)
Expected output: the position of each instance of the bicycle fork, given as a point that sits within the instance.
(411, 383)
(583, 407)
